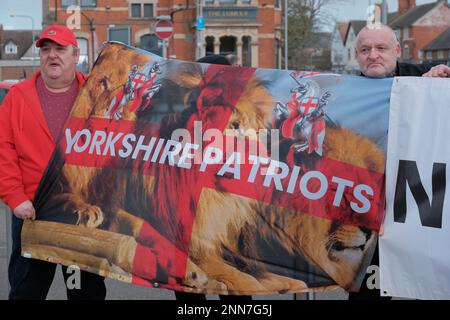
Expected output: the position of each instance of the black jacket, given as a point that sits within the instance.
(412, 70)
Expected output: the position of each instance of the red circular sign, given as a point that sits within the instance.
(164, 29)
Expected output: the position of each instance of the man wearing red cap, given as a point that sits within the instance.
(31, 119)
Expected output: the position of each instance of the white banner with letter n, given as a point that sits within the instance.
(415, 247)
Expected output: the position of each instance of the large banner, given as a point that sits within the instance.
(216, 179)
(414, 254)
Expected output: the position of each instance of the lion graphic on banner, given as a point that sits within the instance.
(225, 239)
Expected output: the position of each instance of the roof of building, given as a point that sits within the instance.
(411, 15)
(391, 16)
(356, 25)
(22, 38)
(441, 42)
(342, 28)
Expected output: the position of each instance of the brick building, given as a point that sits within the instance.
(251, 29)
(438, 50)
(417, 26)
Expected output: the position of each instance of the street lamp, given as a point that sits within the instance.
(32, 32)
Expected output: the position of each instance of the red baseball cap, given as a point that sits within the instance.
(59, 34)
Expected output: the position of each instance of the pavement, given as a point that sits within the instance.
(117, 290)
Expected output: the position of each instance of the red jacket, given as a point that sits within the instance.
(26, 144)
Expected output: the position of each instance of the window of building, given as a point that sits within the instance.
(227, 1)
(209, 1)
(440, 54)
(227, 45)
(81, 3)
(405, 33)
(11, 48)
(277, 4)
(142, 10)
(247, 52)
(83, 62)
(406, 52)
(88, 3)
(449, 54)
(209, 45)
(151, 43)
(246, 1)
(420, 55)
(429, 55)
(66, 3)
(397, 34)
(121, 34)
(135, 10)
(349, 54)
(148, 10)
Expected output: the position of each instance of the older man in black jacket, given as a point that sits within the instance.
(377, 52)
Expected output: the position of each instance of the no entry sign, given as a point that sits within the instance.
(164, 29)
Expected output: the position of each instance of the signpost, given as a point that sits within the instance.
(164, 30)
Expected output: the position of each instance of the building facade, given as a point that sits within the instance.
(354, 27)
(438, 51)
(417, 26)
(19, 58)
(250, 29)
(338, 51)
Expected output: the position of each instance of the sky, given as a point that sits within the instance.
(356, 9)
(31, 8)
(351, 9)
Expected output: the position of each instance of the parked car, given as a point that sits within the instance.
(4, 88)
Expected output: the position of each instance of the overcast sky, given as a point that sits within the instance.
(356, 9)
(352, 9)
(31, 8)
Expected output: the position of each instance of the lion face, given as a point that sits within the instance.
(253, 109)
(338, 249)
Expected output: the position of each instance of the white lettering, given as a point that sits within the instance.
(304, 185)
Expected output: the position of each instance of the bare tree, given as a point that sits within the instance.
(305, 18)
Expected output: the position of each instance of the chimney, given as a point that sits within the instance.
(405, 5)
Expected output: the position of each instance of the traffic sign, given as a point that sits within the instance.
(164, 29)
(200, 23)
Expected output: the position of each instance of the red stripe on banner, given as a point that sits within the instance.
(170, 259)
(322, 207)
(144, 264)
(218, 96)
(295, 200)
